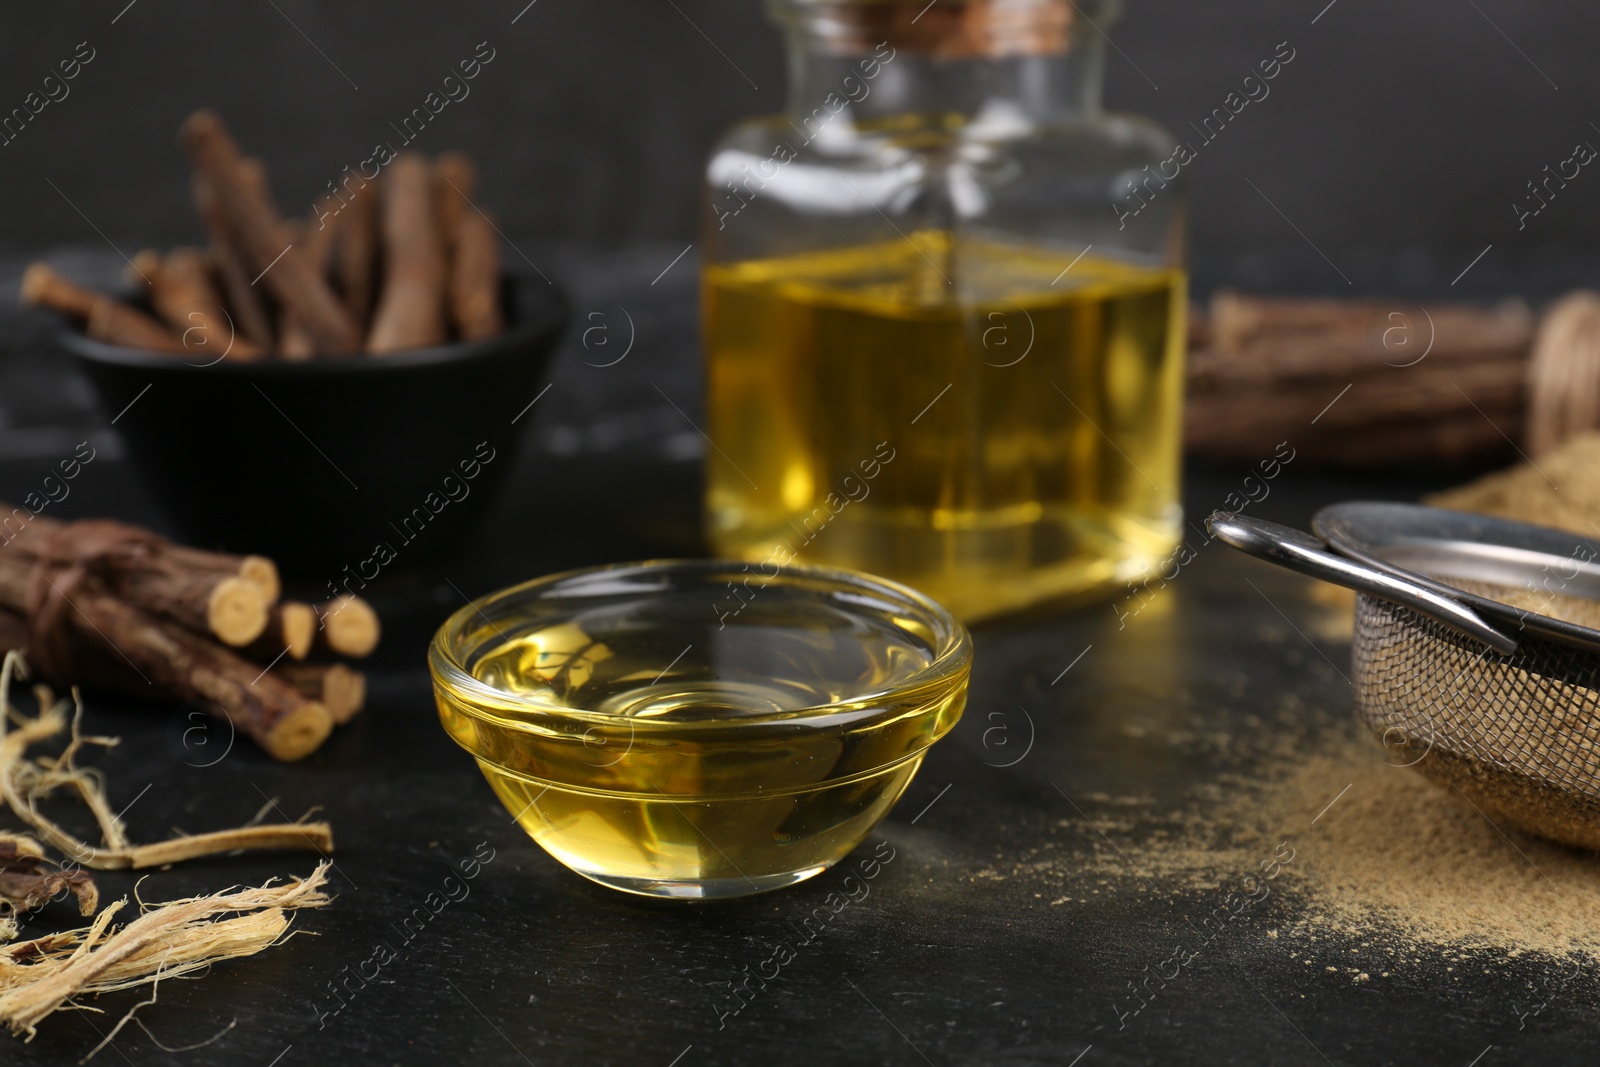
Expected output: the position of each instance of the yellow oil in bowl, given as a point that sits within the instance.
(700, 729)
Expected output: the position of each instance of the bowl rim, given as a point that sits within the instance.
(532, 321)
(952, 656)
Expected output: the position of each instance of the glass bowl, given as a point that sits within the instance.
(700, 729)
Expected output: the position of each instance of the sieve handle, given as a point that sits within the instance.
(1303, 552)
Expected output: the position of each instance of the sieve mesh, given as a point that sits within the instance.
(1518, 734)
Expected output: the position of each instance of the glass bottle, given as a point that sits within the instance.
(943, 308)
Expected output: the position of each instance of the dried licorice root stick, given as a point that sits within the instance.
(182, 292)
(347, 626)
(317, 243)
(116, 323)
(340, 689)
(411, 309)
(259, 571)
(455, 179)
(230, 608)
(356, 253)
(106, 319)
(295, 340)
(40, 977)
(244, 300)
(472, 250)
(291, 630)
(43, 287)
(298, 286)
(475, 278)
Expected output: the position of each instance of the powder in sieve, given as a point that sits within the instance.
(1577, 609)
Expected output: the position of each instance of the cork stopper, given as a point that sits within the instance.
(949, 29)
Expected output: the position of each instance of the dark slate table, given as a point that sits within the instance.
(932, 961)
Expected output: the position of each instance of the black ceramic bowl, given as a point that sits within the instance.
(371, 463)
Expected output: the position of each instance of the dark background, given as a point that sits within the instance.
(1396, 141)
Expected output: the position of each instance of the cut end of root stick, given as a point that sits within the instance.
(200, 125)
(299, 733)
(35, 281)
(43, 287)
(344, 691)
(144, 267)
(236, 612)
(350, 626)
(340, 689)
(263, 573)
(298, 625)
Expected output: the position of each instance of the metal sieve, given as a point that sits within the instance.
(1458, 670)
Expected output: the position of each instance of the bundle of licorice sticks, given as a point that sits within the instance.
(107, 605)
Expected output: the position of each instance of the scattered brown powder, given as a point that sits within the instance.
(1399, 854)
(1382, 856)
